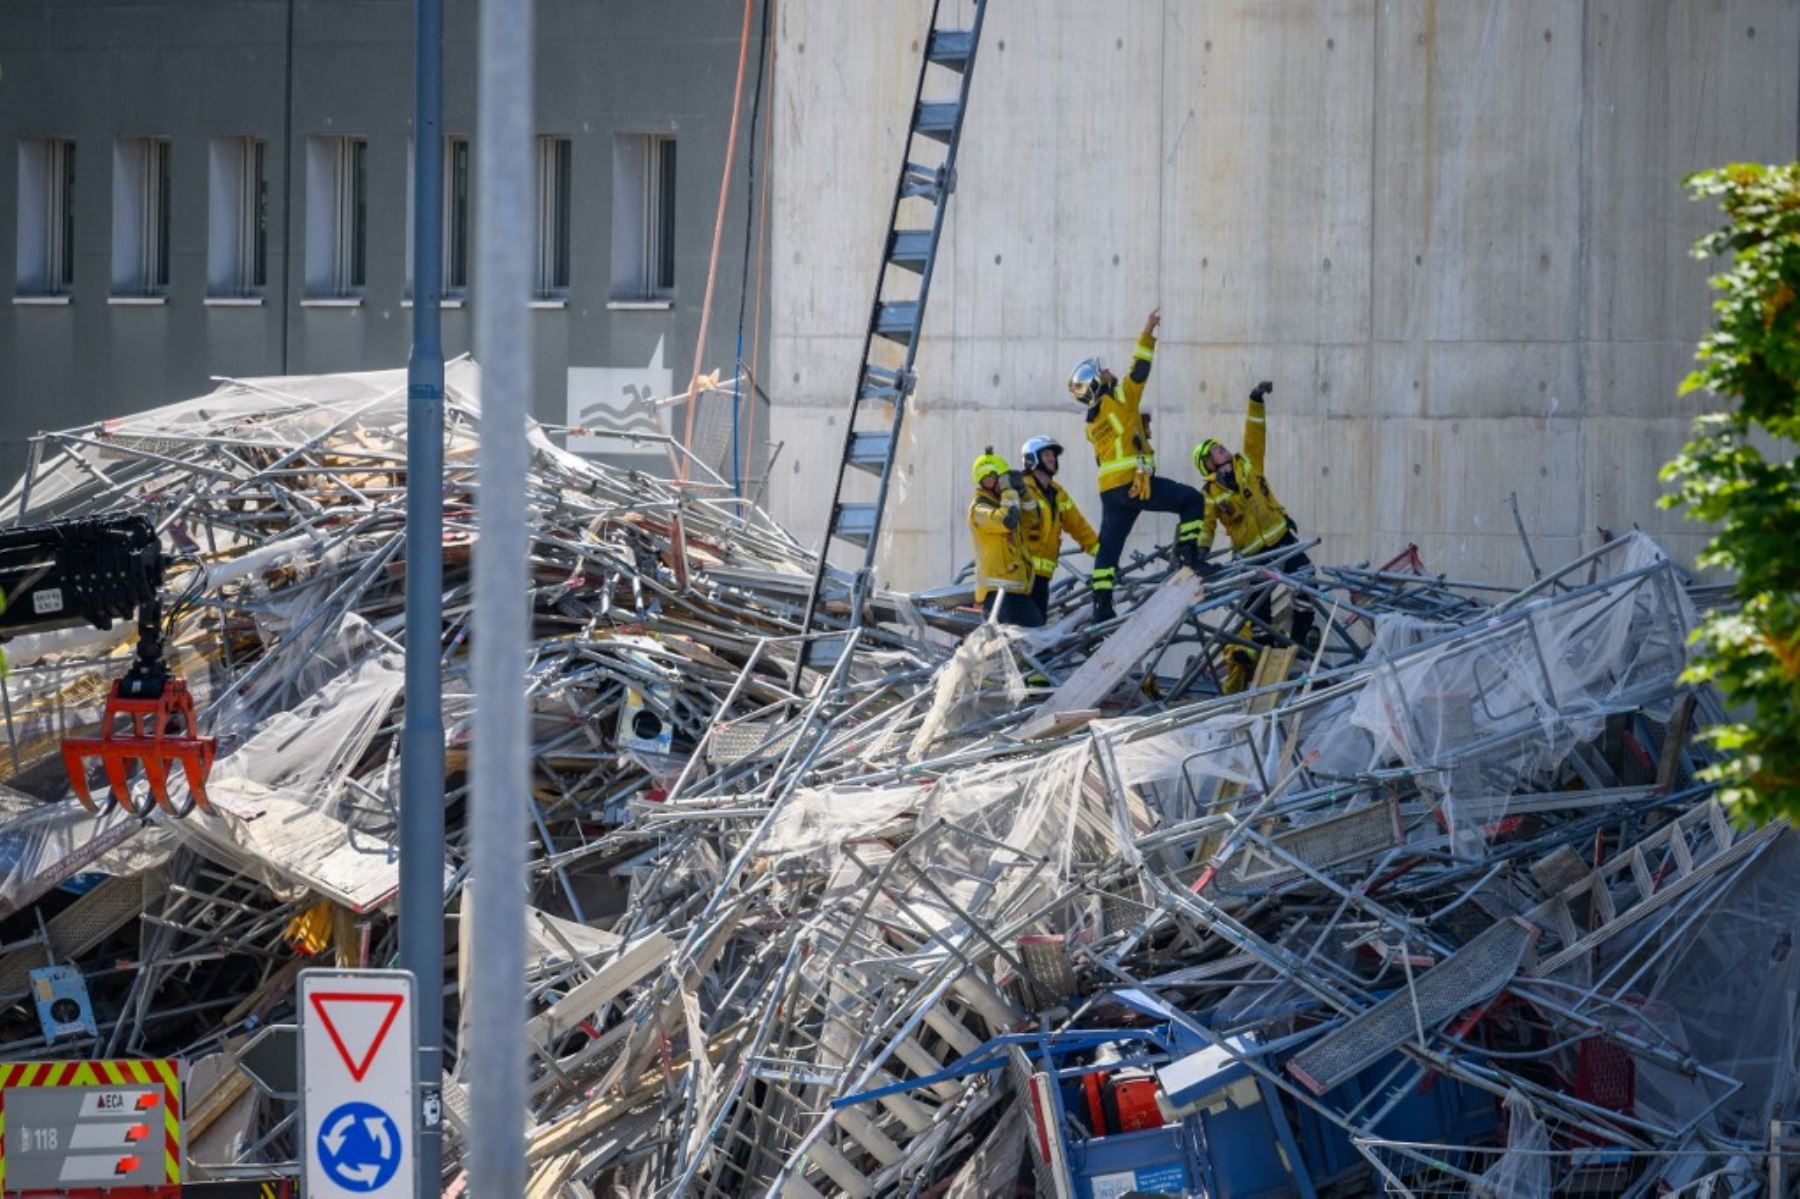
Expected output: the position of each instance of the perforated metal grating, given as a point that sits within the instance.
(1471, 974)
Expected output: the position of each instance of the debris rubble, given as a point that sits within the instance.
(921, 905)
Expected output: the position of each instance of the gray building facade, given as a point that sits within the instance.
(1453, 232)
(221, 188)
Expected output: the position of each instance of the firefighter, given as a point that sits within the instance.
(1120, 434)
(1238, 496)
(1002, 571)
(1049, 513)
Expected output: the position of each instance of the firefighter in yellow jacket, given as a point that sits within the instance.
(1049, 514)
(1002, 570)
(1120, 433)
(1239, 497)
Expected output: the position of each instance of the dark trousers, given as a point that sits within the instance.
(1015, 608)
(1119, 512)
(1293, 564)
(1040, 595)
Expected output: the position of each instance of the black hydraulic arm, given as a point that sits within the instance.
(90, 571)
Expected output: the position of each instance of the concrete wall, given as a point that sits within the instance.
(1453, 233)
(187, 70)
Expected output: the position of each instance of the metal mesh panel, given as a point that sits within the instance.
(1340, 839)
(729, 742)
(1471, 974)
(1052, 982)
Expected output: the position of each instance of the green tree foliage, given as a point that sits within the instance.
(1751, 357)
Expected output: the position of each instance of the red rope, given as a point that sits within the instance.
(712, 266)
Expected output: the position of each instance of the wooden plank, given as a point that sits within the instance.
(840, 1169)
(1674, 738)
(1272, 666)
(1120, 653)
(219, 1098)
(80, 927)
(1061, 724)
(638, 961)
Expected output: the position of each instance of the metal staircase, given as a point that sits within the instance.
(909, 252)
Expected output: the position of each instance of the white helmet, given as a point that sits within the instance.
(1028, 453)
(1084, 380)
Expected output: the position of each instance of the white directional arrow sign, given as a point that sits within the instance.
(334, 1136)
(378, 1133)
(358, 1048)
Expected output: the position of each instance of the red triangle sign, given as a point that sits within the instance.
(357, 1024)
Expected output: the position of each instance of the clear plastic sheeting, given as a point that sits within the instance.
(1003, 822)
(41, 845)
(1490, 709)
(980, 681)
(814, 822)
(1523, 1171)
(1230, 747)
(1718, 963)
(280, 797)
(310, 749)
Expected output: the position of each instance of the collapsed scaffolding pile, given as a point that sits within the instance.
(1323, 931)
(1438, 906)
(286, 498)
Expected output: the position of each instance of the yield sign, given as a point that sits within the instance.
(359, 1112)
(357, 1022)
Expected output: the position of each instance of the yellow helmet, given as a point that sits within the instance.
(988, 463)
(1202, 452)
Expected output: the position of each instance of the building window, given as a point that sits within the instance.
(46, 246)
(554, 156)
(237, 248)
(456, 216)
(643, 232)
(140, 250)
(337, 216)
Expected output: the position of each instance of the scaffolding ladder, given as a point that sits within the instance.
(891, 341)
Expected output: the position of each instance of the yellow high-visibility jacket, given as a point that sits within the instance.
(1115, 427)
(1049, 513)
(1000, 561)
(1253, 518)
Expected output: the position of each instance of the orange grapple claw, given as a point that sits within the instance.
(151, 733)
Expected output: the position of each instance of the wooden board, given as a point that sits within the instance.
(1119, 654)
(1272, 666)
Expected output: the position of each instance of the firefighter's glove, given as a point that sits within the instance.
(1263, 391)
(1011, 518)
(1140, 485)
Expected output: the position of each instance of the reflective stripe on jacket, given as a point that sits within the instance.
(1049, 513)
(1000, 560)
(1115, 427)
(1253, 518)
